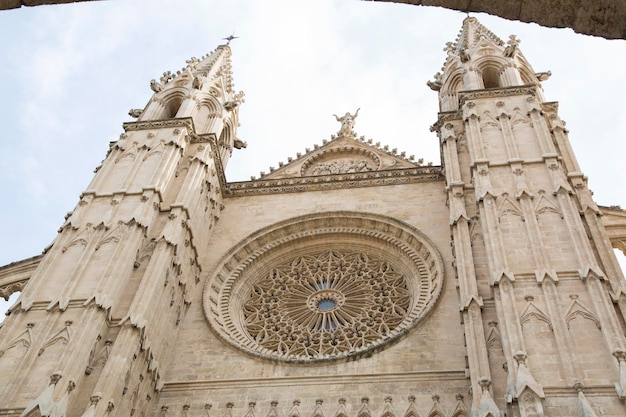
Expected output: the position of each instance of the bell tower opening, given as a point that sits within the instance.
(171, 108)
(491, 77)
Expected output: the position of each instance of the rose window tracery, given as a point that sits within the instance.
(325, 304)
(323, 286)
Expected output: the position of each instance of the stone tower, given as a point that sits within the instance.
(351, 281)
(100, 312)
(540, 291)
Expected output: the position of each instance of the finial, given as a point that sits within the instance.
(230, 38)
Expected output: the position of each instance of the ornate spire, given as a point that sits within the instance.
(199, 70)
(477, 60)
(472, 32)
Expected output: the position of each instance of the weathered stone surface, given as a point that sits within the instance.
(603, 18)
(10, 4)
(350, 282)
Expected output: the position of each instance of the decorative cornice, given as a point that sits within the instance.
(525, 90)
(205, 138)
(550, 106)
(289, 381)
(444, 117)
(186, 122)
(333, 182)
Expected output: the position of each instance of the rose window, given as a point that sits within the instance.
(325, 304)
(323, 286)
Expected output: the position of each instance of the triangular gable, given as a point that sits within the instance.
(318, 412)
(436, 410)
(63, 336)
(273, 410)
(364, 411)
(518, 117)
(341, 411)
(388, 411)
(461, 409)
(487, 121)
(342, 155)
(295, 410)
(506, 206)
(532, 311)
(412, 409)
(576, 309)
(545, 205)
(494, 340)
(25, 339)
(250, 412)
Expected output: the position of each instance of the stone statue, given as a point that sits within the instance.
(542, 76)
(167, 76)
(155, 86)
(435, 85)
(197, 83)
(135, 113)
(240, 144)
(347, 123)
(512, 45)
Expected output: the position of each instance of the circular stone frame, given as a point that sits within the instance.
(405, 248)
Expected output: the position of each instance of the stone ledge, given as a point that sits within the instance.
(336, 181)
(266, 382)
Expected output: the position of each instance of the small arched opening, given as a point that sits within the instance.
(172, 106)
(491, 77)
(6, 304)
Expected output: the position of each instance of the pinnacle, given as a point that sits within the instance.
(471, 32)
(208, 66)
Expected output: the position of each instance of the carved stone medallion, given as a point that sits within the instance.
(322, 287)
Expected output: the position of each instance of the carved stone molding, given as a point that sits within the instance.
(186, 122)
(497, 92)
(371, 405)
(338, 181)
(318, 276)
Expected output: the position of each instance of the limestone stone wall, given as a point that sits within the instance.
(429, 360)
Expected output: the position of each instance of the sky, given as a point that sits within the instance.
(70, 73)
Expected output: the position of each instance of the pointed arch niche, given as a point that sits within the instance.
(590, 348)
(541, 343)
(491, 77)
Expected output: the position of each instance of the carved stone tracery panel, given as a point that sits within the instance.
(326, 304)
(323, 286)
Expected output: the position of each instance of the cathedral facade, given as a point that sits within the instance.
(351, 281)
